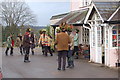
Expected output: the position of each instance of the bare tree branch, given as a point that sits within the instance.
(16, 13)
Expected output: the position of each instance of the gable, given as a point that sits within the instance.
(106, 9)
(116, 17)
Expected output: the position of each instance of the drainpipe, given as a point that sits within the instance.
(86, 27)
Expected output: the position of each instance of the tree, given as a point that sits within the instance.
(16, 14)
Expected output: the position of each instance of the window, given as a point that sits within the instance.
(116, 36)
(85, 36)
(85, 2)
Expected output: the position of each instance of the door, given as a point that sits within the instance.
(98, 45)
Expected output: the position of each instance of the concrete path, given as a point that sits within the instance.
(46, 67)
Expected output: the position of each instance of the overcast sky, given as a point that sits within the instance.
(44, 10)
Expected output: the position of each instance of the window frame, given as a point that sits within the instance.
(115, 34)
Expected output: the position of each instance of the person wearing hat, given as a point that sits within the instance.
(26, 45)
(62, 41)
(39, 42)
(19, 43)
(43, 31)
(44, 41)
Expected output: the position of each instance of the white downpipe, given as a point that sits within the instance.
(87, 27)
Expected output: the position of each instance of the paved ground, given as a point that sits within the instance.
(46, 67)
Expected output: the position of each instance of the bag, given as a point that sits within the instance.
(32, 45)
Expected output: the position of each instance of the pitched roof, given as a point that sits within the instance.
(116, 17)
(74, 17)
(80, 17)
(58, 16)
(106, 9)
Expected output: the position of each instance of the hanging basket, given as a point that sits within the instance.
(67, 27)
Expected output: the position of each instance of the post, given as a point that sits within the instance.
(54, 32)
(54, 27)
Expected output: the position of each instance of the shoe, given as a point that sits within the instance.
(58, 69)
(76, 58)
(26, 61)
(11, 54)
(32, 52)
(67, 66)
(51, 54)
(6, 54)
(71, 67)
(21, 52)
(63, 69)
(43, 53)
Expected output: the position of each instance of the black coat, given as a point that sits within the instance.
(33, 43)
(26, 41)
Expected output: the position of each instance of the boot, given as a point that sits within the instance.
(21, 52)
(51, 54)
(32, 52)
(6, 53)
(25, 58)
(43, 53)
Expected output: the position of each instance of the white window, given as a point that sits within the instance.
(116, 36)
(85, 36)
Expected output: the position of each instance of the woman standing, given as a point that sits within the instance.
(10, 44)
(19, 43)
(76, 43)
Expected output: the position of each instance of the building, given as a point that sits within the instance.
(79, 4)
(76, 17)
(99, 27)
(101, 32)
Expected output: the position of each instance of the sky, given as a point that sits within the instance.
(44, 10)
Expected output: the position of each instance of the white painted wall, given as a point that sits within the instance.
(77, 4)
(1, 57)
(1, 46)
(111, 53)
